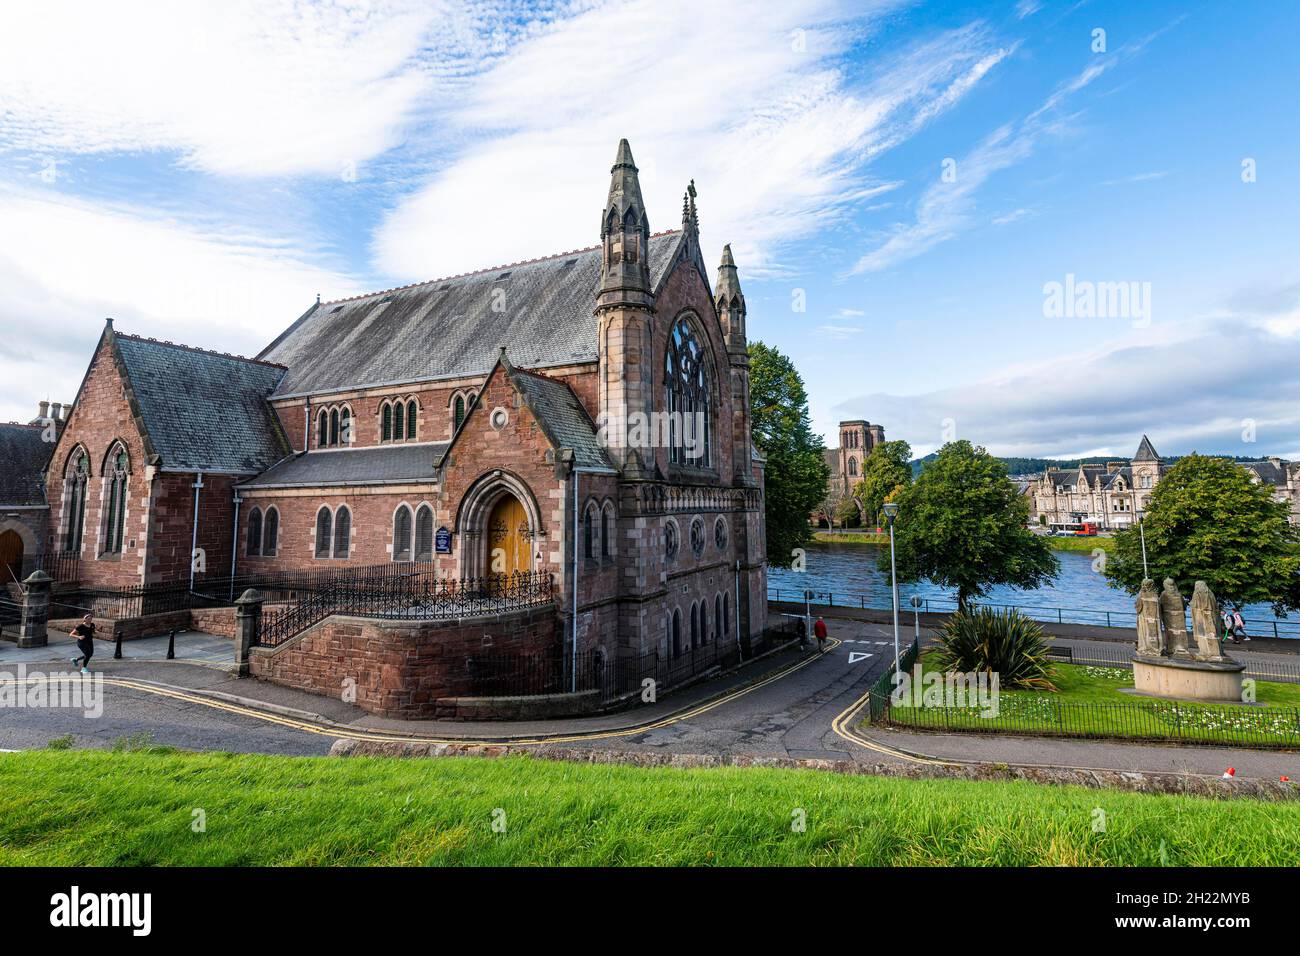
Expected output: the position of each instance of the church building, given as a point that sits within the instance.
(583, 415)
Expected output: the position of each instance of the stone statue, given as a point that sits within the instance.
(1205, 624)
(1148, 620)
(1174, 616)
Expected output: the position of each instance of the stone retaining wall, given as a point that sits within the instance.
(413, 670)
(1158, 783)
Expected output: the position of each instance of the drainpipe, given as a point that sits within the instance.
(573, 611)
(234, 544)
(740, 653)
(194, 536)
(574, 471)
(306, 424)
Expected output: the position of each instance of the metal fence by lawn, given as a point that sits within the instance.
(1259, 627)
(1121, 656)
(1039, 714)
(1149, 720)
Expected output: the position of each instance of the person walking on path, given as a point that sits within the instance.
(1238, 625)
(820, 630)
(1227, 627)
(85, 635)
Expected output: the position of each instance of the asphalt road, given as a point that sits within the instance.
(790, 713)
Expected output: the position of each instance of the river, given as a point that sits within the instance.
(847, 574)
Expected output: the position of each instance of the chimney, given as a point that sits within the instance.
(44, 412)
(1275, 461)
(1114, 466)
(56, 411)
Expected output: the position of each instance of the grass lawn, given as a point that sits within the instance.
(850, 537)
(1089, 703)
(98, 808)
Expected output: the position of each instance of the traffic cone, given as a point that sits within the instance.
(1229, 773)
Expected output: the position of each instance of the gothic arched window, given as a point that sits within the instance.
(334, 426)
(345, 426)
(410, 419)
(424, 534)
(387, 413)
(323, 430)
(607, 531)
(853, 465)
(342, 532)
(116, 518)
(689, 397)
(402, 534)
(324, 526)
(458, 415)
(399, 425)
(78, 474)
(590, 534)
(271, 533)
(255, 532)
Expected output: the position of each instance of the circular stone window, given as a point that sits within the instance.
(499, 418)
(720, 534)
(670, 540)
(697, 537)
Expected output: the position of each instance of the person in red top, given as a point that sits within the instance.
(819, 629)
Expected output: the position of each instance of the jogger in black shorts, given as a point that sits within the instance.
(85, 635)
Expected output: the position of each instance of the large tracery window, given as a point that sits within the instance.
(115, 521)
(689, 398)
(79, 475)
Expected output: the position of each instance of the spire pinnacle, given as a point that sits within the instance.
(624, 235)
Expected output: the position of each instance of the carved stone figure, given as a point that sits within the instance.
(1174, 616)
(1205, 624)
(1148, 620)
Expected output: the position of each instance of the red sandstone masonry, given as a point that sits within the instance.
(401, 669)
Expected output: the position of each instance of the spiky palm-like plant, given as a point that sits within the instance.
(1003, 642)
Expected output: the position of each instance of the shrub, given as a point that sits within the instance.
(1005, 643)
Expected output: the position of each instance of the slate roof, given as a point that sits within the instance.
(1125, 473)
(1270, 472)
(386, 464)
(23, 457)
(561, 416)
(447, 327)
(1146, 451)
(177, 389)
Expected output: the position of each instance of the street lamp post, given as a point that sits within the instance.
(891, 512)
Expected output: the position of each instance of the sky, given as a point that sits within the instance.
(1046, 227)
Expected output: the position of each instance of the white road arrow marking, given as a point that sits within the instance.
(855, 656)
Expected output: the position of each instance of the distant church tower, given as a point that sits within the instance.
(624, 310)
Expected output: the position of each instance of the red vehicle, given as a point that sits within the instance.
(1087, 529)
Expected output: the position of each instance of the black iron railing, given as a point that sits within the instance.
(412, 596)
(1258, 627)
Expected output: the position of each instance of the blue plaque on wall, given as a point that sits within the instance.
(442, 541)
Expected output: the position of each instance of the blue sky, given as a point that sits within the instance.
(915, 173)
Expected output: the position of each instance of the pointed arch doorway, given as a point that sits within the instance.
(510, 541)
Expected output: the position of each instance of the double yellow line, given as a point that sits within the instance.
(379, 736)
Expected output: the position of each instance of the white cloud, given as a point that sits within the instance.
(1137, 178)
(1190, 385)
(1027, 8)
(777, 148)
(66, 265)
(238, 87)
(839, 332)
